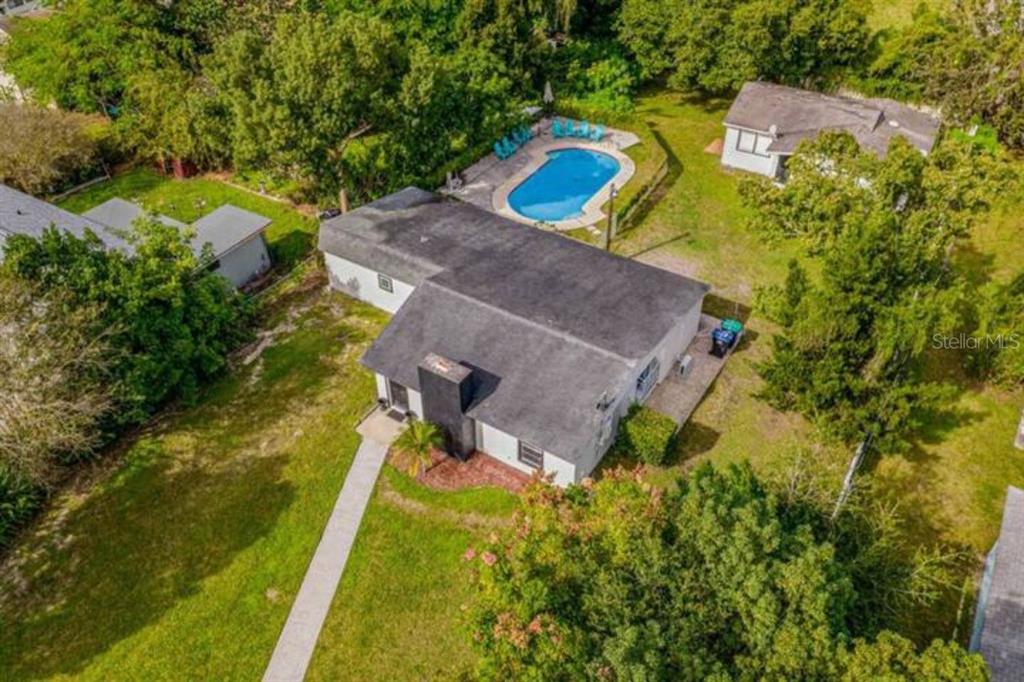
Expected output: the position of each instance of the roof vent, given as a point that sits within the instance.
(894, 123)
(773, 130)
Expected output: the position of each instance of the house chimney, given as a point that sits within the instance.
(447, 391)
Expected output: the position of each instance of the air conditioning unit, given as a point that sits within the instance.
(686, 365)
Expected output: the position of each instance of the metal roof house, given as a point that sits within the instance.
(766, 122)
(235, 235)
(523, 344)
(999, 618)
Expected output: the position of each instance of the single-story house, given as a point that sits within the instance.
(999, 616)
(235, 236)
(21, 213)
(520, 343)
(766, 122)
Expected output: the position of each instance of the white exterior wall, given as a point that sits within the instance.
(505, 448)
(755, 163)
(245, 262)
(360, 282)
(670, 349)
(415, 399)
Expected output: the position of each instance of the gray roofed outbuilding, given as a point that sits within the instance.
(23, 214)
(999, 626)
(227, 227)
(120, 214)
(792, 115)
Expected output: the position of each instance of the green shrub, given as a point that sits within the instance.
(645, 434)
(19, 501)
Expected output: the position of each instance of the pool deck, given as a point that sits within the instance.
(489, 181)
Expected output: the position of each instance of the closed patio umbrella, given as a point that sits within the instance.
(549, 96)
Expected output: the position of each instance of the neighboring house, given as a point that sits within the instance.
(523, 344)
(15, 7)
(234, 235)
(21, 213)
(999, 616)
(766, 122)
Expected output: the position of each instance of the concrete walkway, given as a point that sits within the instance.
(298, 639)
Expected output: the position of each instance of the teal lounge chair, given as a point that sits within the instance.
(510, 146)
(597, 134)
(570, 128)
(499, 151)
(527, 133)
(556, 129)
(585, 129)
(518, 137)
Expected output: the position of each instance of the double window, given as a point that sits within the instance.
(531, 456)
(750, 143)
(385, 283)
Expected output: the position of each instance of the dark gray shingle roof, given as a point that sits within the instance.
(21, 213)
(1002, 631)
(552, 322)
(538, 385)
(801, 114)
(617, 304)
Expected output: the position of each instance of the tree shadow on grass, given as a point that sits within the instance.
(693, 440)
(144, 541)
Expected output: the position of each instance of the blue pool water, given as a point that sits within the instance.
(559, 189)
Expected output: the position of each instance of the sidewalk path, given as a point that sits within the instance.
(298, 639)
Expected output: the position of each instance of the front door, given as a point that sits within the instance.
(399, 396)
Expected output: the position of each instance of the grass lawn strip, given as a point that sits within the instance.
(182, 562)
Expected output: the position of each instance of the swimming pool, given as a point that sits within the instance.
(560, 188)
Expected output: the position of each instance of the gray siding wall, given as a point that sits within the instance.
(245, 262)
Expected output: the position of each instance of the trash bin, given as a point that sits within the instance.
(734, 326)
(721, 342)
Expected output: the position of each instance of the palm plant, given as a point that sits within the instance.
(416, 443)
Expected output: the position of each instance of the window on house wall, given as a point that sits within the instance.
(531, 456)
(385, 283)
(647, 379)
(748, 142)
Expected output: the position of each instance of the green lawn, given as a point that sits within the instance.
(291, 235)
(181, 560)
(397, 613)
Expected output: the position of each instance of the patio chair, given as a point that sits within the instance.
(570, 128)
(527, 133)
(597, 134)
(499, 151)
(518, 137)
(510, 146)
(556, 128)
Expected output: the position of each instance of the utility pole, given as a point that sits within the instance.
(858, 459)
(610, 227)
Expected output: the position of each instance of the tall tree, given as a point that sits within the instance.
(300, 98)
(43, 150)
(174, 322)
(716, 45)
(54, 365)
(717, 578)
(848, 356)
